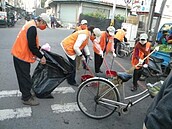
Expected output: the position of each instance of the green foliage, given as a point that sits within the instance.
(97, 14)
(164, 48)
(119, 18)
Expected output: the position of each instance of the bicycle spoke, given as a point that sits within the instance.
(89, 101)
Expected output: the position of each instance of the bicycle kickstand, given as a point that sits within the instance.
(124, 110)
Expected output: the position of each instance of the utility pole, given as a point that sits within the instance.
(113, 13)
(158, 21)
(150, 18)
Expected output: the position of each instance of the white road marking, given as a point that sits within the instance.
(15, 113)
(17, 93)
(67, 107)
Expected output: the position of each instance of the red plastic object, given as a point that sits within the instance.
(110, 73)
(85, 77)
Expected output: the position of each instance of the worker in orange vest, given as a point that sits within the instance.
(25, 50)
(73, 46)
(82, 26)
(141, 50)
(103, 43)
(120, 37)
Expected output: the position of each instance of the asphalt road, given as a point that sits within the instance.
(62, 111)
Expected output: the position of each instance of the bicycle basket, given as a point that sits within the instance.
(154, 79)
(154, 85)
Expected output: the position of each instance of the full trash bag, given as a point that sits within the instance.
(47, 77)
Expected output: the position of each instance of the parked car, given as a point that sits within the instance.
(3, 18)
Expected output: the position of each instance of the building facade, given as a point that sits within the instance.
(68, 11)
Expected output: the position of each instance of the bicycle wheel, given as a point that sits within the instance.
(120, 50)
(91, 95)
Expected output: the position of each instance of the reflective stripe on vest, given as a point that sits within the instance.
(20, 48)
(68, 42)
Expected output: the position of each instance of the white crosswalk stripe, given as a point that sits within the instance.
(67, 107)
(17, 93)
(15, 113)
(27, 111)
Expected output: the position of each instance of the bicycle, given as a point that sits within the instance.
(99, 98)
(123, 49)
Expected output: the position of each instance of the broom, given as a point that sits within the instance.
(132, 68)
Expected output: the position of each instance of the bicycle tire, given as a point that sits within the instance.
(91, 91)
(120, 50)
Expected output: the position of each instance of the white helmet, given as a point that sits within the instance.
(97, 33)
(143, 38)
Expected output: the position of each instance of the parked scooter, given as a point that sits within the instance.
(155, 68)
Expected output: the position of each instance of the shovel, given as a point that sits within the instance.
(132, 68)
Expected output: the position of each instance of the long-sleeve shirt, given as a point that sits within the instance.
(31, 37)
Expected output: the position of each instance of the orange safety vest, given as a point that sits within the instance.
(96, 47)
(105, 42)
(120, 34)
(68, 42)
(135, 61)
(20, 48)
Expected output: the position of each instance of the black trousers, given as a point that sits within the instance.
(71, 78)
(22, 69)
(98, 60)
(136, 76)
(116, 41)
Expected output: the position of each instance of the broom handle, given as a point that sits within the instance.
(146, 57)
(112, 63)
(107, 66)
(88, 67)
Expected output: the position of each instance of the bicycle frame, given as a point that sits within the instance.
(123, 104)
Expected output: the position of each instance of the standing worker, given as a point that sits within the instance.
(141, 50)
(120, 37)
(73, 45)
(25, 51)
(103, 43)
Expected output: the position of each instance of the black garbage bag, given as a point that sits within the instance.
(47, 77)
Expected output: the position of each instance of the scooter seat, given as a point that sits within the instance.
(157, 60)
(124, 76)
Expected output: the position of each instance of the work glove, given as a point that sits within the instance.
(141, 61)
(101, 54)
(114, 55)
(46, 47)
(157, 48)
(83, 58)
(145, 65)
(43, 60)
(90, 57)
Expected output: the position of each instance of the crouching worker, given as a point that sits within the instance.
(25, 51)
(73, 46)
(141, 50)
